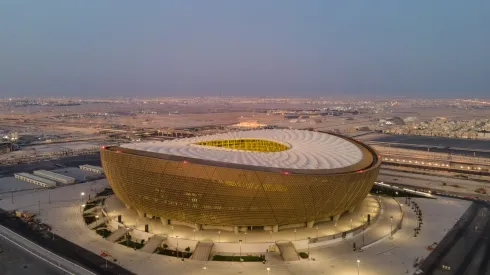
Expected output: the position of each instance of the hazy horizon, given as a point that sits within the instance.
(245, 48)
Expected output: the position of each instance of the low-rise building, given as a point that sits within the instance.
(35, 180)
(54, 176)
(92, 168)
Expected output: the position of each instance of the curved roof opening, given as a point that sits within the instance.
(267, 149)
(246, 144)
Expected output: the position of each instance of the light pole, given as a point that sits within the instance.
(172, 230)
(219, 236)
(81, 197)
(358, 262)
(268, 270)
(317, 231)
(309, 247)
(245, 236)
(295, 234)
(351, 224)
(391, 227)
(270, 234)
(194, 230)
(177, 246)
(240, 250)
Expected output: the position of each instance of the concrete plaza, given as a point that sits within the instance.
(130, 218)
(61, 208)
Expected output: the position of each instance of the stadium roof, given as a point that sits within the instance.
(292, 149)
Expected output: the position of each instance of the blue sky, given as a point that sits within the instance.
(254, 47)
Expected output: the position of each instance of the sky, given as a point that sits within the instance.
(152, 48)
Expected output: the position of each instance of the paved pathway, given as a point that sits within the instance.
(114, 207)
(388, 257)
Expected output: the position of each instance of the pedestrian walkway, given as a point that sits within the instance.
(116, 235)
(98, 222)
(349, 220)
(97, 208)
(152, 244)
(288, 251)
(202, 251)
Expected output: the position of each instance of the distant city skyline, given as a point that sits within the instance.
(245, 48)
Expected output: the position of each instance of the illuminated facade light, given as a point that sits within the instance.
(278, 199)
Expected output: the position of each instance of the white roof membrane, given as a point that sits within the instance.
(308, 149)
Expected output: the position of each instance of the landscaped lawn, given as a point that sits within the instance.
(246, 258)
(103, 232)
(131, 244)
(173, 253)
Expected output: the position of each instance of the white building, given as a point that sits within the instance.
(35, 180)
(54, 176)
(92, 168)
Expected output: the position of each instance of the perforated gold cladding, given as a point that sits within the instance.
(210, 195)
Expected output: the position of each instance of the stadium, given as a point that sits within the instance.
(265, 179)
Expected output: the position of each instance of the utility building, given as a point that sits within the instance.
(54, 176)
(35, 180)
(92, 168)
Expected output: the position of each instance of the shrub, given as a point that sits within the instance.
(303, 255)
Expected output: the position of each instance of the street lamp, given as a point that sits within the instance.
(177, 246)
(219, 236)
(295, 234)
(351, 224)
(268, 270)
(172, 230)
(309, 247)
(245, 236)
(317, 231)
(194, 230)
(81, 196)
(270, 234)
(391, 227)
(358, 262)
(240, 250)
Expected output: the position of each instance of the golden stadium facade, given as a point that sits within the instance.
(269, 178)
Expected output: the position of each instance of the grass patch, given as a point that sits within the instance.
(246, 258)
(90, 206)
(89, 219)
(380, 190)
(173, 253)
(105, 192)
(131, 244)
(103, 232)
(303, 255)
